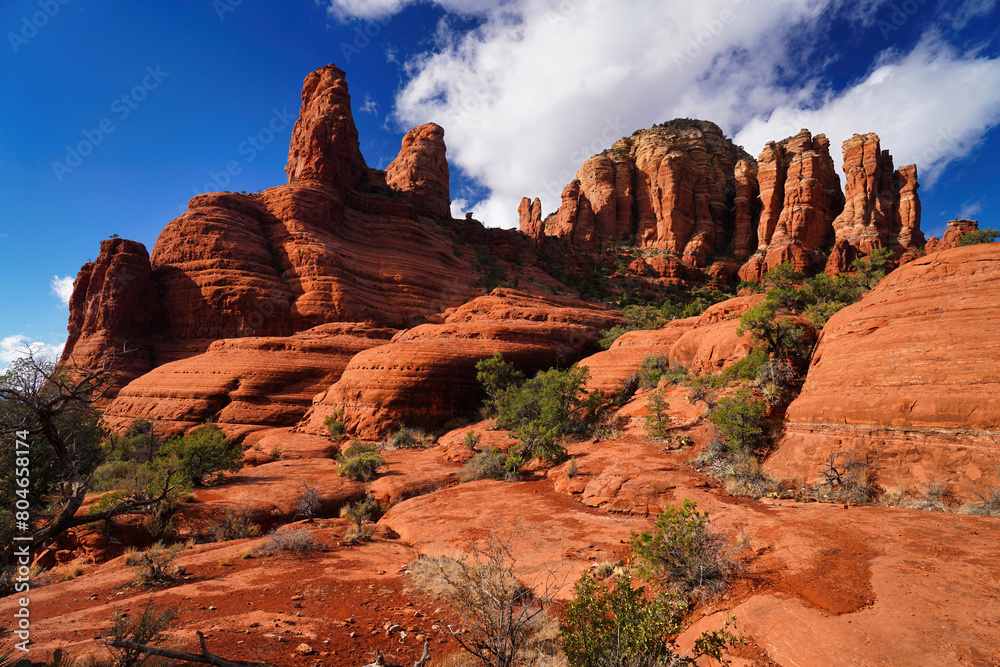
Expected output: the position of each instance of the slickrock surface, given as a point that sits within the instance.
(703, 344)
(244, 383)
(908, 378)
(427, 375)
(882, 209)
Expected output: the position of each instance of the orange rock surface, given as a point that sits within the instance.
(427, 374)
(952, 235)
(422, 169)
(906, 379)
(882, 209)
(800, 196)
(244, 383)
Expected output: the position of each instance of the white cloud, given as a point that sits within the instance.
(16, 347)
(543, 84)
(930, 107)
(370, 105)
(62, 288)
(970, 209)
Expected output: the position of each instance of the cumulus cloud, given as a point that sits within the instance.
(540, 85)
(62, 288)
(930, 107)
(16, 347)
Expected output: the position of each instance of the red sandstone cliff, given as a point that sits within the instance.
(800, 198)
(907, 378)
(882, 208)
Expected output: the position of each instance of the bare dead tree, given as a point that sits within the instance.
(380, 661)
(206, 657)
(55, 408)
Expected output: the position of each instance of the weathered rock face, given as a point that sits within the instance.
(952, 235)
(113, 307)
(529, 215)
(332, 246)
(422, 169)
(882, 208)
(902, 378)
(244, 383)
(325, 143)
(674, 187)
(800, 198)
(427, 375)
(703, 344)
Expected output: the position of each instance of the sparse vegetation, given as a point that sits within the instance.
(360, 461)
(546, 408)
(680, 303)
(155, 565)
(979, 236)
(207, 451)
(309, 502)
(740, 420)
(620, 626)
(471, 440)
(237, 524)
(988, 505)
(146, 628)
(296, 541)
(408, 438)
(682, 552)
(497, 376)
(488, 464)
(335, 425)
(658, 420)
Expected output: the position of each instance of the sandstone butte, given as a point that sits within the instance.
(349, 291)
(682, 188)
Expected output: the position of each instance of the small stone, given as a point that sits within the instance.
(212, 608)
(304, 649)
(352, 634)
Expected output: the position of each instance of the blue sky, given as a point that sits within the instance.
(163, 95)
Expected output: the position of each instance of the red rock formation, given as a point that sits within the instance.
(905, 378)
(427, 375)
(673, 187)
(882, 208)
(244, 383)
(422, 169)
(113, 307)
(529, 215)
(325, 143)
(952, 235)
(329, 247)
(747, 208)
(800, 196)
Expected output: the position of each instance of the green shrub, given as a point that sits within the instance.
(683, 552)
(335, 425)
(651, 370)
(980, 236)
(618, 626)
(471, 440)
(487, 464)
(407, 438)
(658, 419)
(357, 447)
(206, 451)
(547, 407)
(740, 420)
(361, 467)
(497, 376)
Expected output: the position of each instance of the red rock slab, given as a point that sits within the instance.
(244, 382)
(557, 532)
(907, 379)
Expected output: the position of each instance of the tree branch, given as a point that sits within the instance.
(206, 656)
